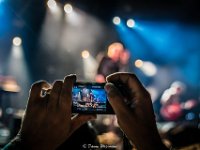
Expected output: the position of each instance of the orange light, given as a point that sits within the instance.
(85, 54)
(138, 63)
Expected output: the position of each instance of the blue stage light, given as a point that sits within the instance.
(167, 43)
(130, 23)
(116, 20)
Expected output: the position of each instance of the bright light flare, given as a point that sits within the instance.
(68, 8)
(116, 20)
(138, 63)
(89, 66)
(130, 23)
(17, 41)
(85, 54)
(52, 4)
(107, 121)
(149, 68)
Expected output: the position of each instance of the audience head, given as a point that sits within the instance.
(115, 50)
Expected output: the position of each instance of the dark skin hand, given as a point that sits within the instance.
(134, 110)
(47, 122)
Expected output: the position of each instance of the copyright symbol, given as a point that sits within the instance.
(84, 145)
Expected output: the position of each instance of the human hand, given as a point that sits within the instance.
(47, 122)
(133, 108)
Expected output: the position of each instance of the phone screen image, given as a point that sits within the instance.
(90, 98)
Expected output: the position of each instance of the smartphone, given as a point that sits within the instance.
(90, 98)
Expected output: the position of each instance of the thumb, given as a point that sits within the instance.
(79, 120)
(116, 99)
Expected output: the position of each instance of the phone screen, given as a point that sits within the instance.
(90, 98)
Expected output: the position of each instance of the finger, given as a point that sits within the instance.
(54, 95)
(66, 93)
(116, 99)
(79, 120)
(36, 88)
(129, 79)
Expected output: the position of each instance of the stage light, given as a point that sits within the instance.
(138, 63)
(17, 41)
(107, 121)
(89, 66)
(21, 72)
(130, 23)
(85, 54)
(116, 20)
(52, 4)
(149, 68)
(68, 8)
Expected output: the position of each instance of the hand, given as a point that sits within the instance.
(47, 122)
(133, 107)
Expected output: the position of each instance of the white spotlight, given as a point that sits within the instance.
(130, 23)
(138, 63)
(89, 65)
(52, 4)
(116, 20)
(68, 8)
(17, 41)
(85, 54)
(149, 68)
